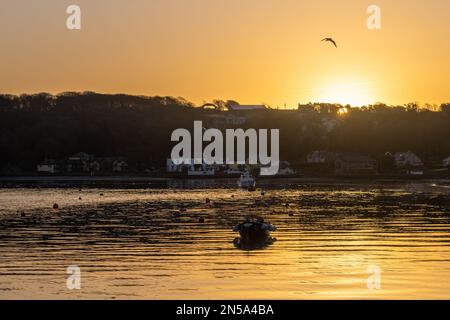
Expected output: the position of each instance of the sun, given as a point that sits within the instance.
(342, 111)
(355, 94)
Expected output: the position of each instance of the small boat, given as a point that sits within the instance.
(247, 181)
(254, 230)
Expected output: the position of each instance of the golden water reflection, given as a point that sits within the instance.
(136, 244)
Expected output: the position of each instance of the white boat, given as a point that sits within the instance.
(246, 181)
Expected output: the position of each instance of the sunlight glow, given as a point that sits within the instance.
(354, 94)
(342, 111)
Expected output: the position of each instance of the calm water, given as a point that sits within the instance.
(135, 243)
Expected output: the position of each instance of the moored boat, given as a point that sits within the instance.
(247, 181)
(254, 230)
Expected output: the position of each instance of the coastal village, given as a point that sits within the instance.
(398, 163)
(317, 163)
(316, 139)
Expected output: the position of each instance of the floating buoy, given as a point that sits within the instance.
(286, 205)
(79, 198)
(291, 214)
(55, 206)
(22, 214)
(183, 210)
(208, 200)
(101, 194)
(201, 220)
(232, 195)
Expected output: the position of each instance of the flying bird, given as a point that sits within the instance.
(330, 40)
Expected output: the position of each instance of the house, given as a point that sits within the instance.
(352, 164)
(119, 165)
(113, 164)
(83, 162)
(285, 169)
(234, 170)
(446, 162)
(407, 159)
(285, 172)
(171, 167)
(246, 107)
(200, 170)
(81, 156)
(91, 166)
(191, 169)
(48, 166)
(319, 157)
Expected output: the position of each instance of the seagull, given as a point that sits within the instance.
(330, 40)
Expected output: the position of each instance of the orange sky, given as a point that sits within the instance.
(253, 51)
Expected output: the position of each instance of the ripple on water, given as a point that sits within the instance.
(139, 244)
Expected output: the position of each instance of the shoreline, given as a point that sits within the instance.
(144, 179)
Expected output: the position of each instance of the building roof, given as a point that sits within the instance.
(246, 107)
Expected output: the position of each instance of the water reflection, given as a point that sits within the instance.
(250, 245)
(160, 244)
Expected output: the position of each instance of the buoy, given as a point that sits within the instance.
(208, 200)
(79, 198)
(22, 214)
(55, 206)
(286, 205)
(201, 220)
(101, 194)
(183, 210)
(291, 214)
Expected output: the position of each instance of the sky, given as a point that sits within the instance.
(252, 51)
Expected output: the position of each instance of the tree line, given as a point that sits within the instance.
(44, 126)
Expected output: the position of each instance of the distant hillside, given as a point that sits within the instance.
(43, 126)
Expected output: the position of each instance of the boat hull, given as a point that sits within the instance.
(252, 234)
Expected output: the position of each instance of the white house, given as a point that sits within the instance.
(446, 162)
(46, 167)
(192, 169)
(407, 159)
